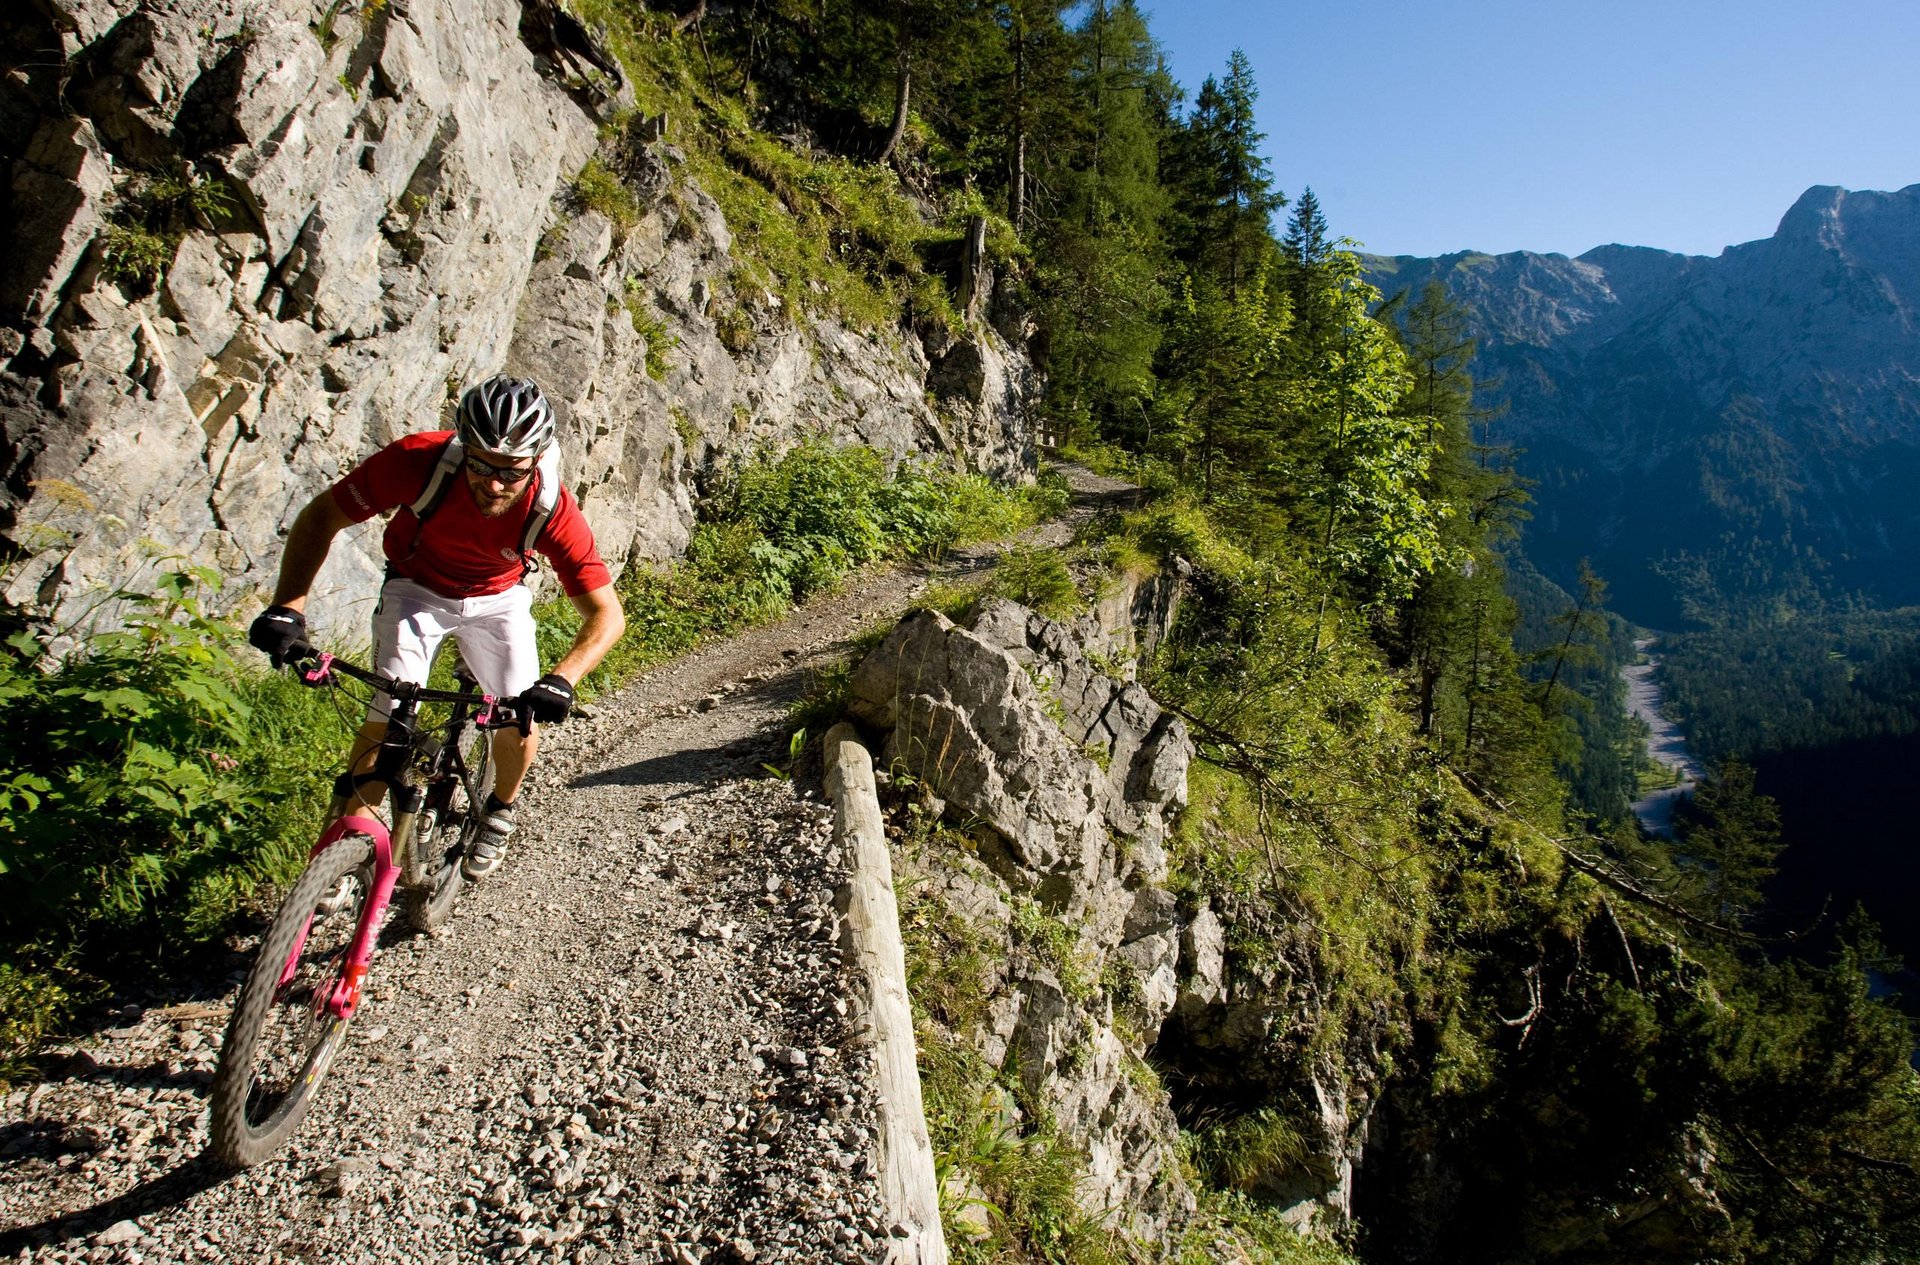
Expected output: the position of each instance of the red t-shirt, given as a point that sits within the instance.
(462, 553)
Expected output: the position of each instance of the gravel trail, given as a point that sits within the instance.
(631, 1043)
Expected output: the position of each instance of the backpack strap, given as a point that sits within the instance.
(546, 494)
(546, 498)
(452, 457)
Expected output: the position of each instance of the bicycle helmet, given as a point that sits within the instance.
(506, 415)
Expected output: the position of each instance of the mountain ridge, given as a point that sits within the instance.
(1763, 403)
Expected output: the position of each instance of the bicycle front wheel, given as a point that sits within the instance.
(282, 1040)
(430, 906)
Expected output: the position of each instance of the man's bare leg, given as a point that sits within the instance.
(512, 756)
(360, 759)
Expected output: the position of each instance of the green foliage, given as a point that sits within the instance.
(1728, 839)
(132, 781)
(1239, 1152)
(1056, 945)
(651, 327)
(1014, 1174)
(1798, 671)
(38, 992)
(951, 599)
(780, 530)
(149, 216)
(824, 701)
(1230, 1225)
(1224, 358)
(1217, 162)
(599, 188)
(154, 786)
(132, 253)
(1037, 578)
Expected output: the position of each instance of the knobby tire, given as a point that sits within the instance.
(277, 1048)
(429, 908)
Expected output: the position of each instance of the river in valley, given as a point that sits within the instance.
(1665, 743)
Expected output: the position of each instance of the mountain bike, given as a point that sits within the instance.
(309, 973)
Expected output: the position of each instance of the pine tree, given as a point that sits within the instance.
(1100, 291)
(1483, 500)
(1730, 838)
(1225, 184)
(1583, 624)
(1224, 362)
(1306, 253)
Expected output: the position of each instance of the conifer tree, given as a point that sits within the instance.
(1305, 252)
(1225, 182)
(1483, 499)
(1224, 362)
(1100, 291)
(1582, 625)
(1730, 838)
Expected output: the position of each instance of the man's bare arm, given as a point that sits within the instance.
(308, 541)
(602, 624)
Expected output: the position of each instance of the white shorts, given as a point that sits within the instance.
(495, 634)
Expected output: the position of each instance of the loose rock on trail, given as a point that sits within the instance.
(632, 1042)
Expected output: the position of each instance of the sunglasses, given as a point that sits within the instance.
(506, 474)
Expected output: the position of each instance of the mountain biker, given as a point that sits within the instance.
(455, 566)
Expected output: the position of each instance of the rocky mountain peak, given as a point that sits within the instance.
(1668, 403)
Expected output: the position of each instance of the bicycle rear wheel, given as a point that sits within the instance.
(430, 906)
(281, 1040)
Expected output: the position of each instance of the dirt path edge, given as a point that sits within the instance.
(903, 1154)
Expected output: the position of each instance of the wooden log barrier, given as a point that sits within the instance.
(903, 1156)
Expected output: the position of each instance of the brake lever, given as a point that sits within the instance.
(319, 674)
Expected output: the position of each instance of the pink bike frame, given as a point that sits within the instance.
(344, 998)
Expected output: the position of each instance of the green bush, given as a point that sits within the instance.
(129, 787)
(152, 787)
(1237, 1153)
(1039, 579)
(149, 216)
(782, 529)
(600, 189)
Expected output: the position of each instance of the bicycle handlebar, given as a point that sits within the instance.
(314, 667)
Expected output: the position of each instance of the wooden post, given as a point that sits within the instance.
(903, 1156)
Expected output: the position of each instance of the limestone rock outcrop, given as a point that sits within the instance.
(1068, 780)
(1063, 778)
(247, 247)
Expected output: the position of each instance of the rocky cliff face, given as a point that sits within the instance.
(1072, 777)
(248, 248)
(1060, 780)
(1766, 400)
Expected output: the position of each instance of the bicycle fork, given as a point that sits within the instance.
(343, 998)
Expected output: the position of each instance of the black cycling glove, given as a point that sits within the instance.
(549, 699)
(278, 631)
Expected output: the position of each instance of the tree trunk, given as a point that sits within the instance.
(1099, 103)
(1017, 181)
(973, 267)
(903, 91)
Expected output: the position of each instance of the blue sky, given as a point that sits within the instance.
(1505, 125)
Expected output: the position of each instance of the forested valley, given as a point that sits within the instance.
(1558, 1040)
(1586, 1046)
